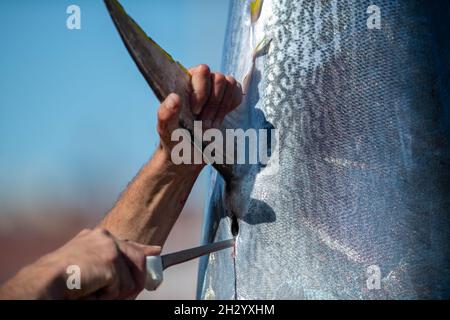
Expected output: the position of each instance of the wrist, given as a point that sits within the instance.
(40, 280)
(52, 277)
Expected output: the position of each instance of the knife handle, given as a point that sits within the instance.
(154, 277)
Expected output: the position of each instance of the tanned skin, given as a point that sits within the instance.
(112, 257)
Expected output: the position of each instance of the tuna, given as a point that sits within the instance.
(355, 200)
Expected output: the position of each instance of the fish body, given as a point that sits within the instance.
(354, 202)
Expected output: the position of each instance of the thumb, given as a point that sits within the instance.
(149, 250)
(168, 116)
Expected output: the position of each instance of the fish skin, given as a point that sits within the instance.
(363, 170)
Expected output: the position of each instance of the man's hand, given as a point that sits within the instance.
(109, 269)
(152, 202)
(213, 97)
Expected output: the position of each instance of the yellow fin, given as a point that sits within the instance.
(255, 9)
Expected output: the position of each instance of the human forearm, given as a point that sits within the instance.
(41, 280)
(151, 204)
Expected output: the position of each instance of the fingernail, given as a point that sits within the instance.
(196, 110)
(170, 103)
(240, 87)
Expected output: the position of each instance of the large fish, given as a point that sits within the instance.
(355, 200)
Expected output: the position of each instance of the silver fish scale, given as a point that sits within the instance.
(360, 175)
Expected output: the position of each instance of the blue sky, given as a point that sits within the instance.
(77, 120)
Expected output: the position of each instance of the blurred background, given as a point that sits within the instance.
(77, 121)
